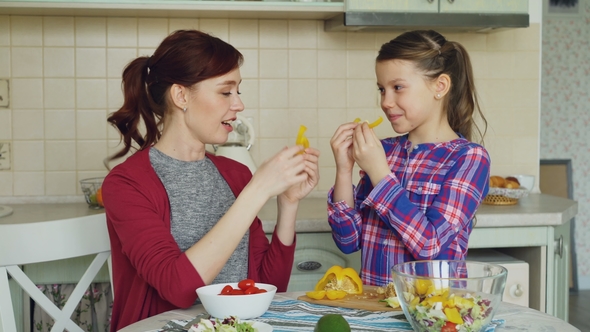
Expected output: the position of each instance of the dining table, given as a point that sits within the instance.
(508, 317)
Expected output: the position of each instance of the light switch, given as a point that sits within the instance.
(4, 97)
(4, 156)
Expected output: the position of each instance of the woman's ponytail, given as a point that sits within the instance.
(137, 107)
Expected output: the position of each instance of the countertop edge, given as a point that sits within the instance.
(536, 210)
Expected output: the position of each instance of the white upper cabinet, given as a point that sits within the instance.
(484, 6)
(177, 8)
(439, 6)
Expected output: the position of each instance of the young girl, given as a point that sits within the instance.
(178, 217)
(418, 192)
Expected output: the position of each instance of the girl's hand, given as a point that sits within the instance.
(369, 154)
(312, 171)
(280, 172)
(341, 144)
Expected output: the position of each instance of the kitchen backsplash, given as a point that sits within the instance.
(65, 78)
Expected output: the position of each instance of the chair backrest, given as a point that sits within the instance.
(29, 243)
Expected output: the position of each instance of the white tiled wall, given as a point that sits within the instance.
(65, 79)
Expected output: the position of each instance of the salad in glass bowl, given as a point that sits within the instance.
(444, 296)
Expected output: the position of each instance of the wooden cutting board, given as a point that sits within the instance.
(369, 300)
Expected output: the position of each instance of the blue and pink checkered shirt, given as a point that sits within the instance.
(424, 209)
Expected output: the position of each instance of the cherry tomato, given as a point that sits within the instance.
(245, 284)
(226, 290)
(236, 292)
(251, 290)
(449, 327)
(261, 290)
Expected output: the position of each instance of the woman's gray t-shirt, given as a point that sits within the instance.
(199, 196)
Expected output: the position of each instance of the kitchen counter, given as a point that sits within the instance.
(39, 212)
(533, 210)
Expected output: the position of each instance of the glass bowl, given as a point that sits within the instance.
(456, 295)
(92, 189)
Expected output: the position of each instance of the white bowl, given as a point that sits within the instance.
(241, 306)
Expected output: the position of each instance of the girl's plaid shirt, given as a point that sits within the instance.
(423, 210)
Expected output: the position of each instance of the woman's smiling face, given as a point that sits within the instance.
(407, 97)
(213, 104)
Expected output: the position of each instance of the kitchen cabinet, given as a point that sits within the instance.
(439, 6)
(442, 15)
(176, 8)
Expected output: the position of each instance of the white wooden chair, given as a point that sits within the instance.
(29, 243)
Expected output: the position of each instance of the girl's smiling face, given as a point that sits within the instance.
(407, 97)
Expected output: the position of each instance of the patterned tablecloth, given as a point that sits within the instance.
(288, 315)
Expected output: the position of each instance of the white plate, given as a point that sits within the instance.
(260, 326)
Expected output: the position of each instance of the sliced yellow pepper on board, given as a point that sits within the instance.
(301, 139)
(338, 278)
(372, 124)
(316, 295)
(335, 294)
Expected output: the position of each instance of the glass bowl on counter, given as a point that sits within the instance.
(92, 189)
(447, 295)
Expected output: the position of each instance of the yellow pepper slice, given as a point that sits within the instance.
(422, 286)
(316, 295)
(301, 139)
(338, 278)
(376, 122)
(372, 124)
(453, 315)
(335, 294)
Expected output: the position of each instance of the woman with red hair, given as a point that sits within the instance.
(179, 217)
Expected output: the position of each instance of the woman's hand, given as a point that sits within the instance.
(300, 190)
(341, 144)
(369, 154)
(280, 172)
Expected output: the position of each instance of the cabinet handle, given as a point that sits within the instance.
(307, 266)
(430, 1)
(516, 290)
(559, 246)
(451, 1)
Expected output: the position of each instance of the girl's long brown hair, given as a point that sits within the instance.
(185, 57)
(433, 55)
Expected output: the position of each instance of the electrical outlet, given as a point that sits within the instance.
(4, 97)
(4, 156)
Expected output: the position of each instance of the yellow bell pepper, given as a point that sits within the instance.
(301, 139)
(316, 295)
(453, 315)
(335, 294)
(422, 286)
(372, 124)
(338, 278)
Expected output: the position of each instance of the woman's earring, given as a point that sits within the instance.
(438, 96)
(184, 109)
